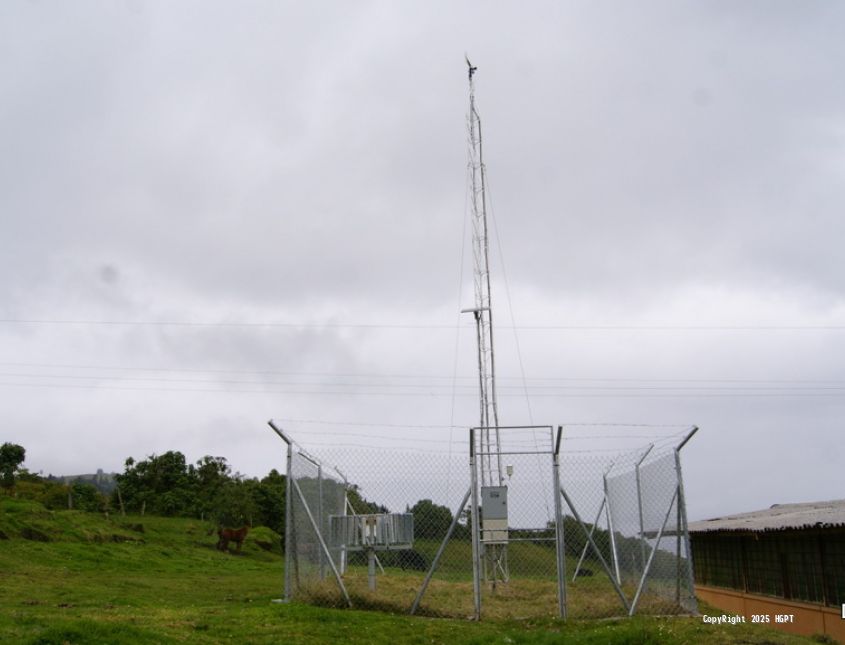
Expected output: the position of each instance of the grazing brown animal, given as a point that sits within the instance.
(225, 536)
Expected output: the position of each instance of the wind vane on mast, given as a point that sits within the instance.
(471, 68)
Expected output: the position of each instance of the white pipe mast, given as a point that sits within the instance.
(491, 458)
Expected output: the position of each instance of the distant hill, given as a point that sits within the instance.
(104, 482)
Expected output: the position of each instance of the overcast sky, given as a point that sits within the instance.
(287, 181)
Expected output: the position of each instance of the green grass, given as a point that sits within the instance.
(157, 580)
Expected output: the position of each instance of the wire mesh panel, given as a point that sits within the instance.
(626, 520)
(631, 504)
(630, 531)
(432, 489)
(592, 566)
(668, 582)
(316, 496)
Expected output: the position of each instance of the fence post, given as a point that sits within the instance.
(289, 555)
(682, 515)
(640, 502)
(613, 554)
(320, 522)
(678, 528)
(289, 548)
(559, 537)
(476, 527)
(343, 555)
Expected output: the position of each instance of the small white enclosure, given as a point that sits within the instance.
(494, 514)
(379, 531)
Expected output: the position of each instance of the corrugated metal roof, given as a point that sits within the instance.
(778, 518)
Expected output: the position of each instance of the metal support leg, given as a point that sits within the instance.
(371, 569)
(587, 544)
(354, 512)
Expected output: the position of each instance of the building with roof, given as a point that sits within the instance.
(787, 560)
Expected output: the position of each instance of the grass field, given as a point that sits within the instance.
(531, 592)
(73, 577)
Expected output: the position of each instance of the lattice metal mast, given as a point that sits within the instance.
(491, 470)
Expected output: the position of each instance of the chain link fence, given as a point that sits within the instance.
(314, 496)
(629, 533)
(602, 534)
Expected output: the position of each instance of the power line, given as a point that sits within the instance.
(418, 326)
(656, 394)
(184, 323)
(535, 389)
(75, 366)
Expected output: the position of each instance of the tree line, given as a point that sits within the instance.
(208, 489)
(167, 485)
(163, 484)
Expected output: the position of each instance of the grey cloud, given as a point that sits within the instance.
(658, 164)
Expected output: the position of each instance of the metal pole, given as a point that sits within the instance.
(320, 518)
(343, 554)
(323, 546)
(492, 394)
(614, 556)
(482, 401)
(288, 526)
(439, 553)
(559, 536)
(476, 528)
(289, 546)
(689, 436)
(682, 510)
(678, 552)
(640, 502)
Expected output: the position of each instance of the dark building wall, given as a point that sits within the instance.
(804, 565)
